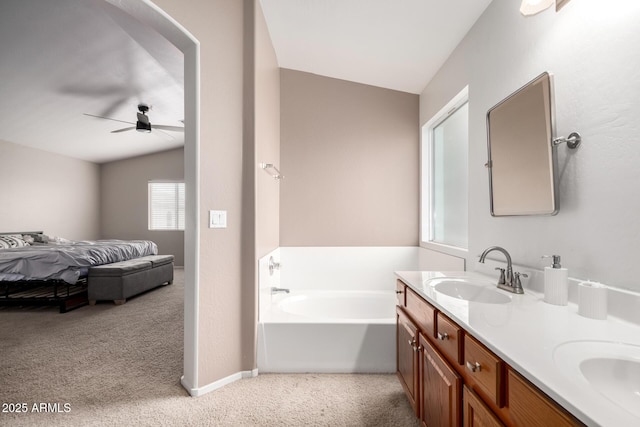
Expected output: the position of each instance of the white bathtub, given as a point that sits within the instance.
(339, 315)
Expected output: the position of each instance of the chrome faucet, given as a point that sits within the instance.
(509, 281)
(275, 290)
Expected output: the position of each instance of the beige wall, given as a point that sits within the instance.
(267, 118)
(124, 199)
(349, 153)
(41, 191)
(226, 291)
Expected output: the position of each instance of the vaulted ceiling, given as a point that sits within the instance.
(388, 43)
(64, 61)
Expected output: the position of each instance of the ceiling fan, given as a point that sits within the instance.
(142, 124)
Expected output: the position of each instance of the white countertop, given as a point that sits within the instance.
(526, 331)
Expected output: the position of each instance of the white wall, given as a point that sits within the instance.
(591, 47)
(42, 191)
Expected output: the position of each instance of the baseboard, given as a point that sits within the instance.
(199, 391)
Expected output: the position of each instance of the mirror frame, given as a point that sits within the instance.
(553, 167)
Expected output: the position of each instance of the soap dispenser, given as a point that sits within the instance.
(556, 282)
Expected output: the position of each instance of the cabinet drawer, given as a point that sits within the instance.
(401, 293)
(483, 369)
(449, 338)
(421, 311)
(529, 406)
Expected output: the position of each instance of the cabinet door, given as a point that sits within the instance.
(407, 357)
(440, 388)
(476, 413)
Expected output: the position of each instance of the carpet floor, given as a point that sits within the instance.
(121, 366)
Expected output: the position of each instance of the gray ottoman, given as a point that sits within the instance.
(161, 268)
(121, 280)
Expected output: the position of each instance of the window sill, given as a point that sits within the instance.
(445, 249)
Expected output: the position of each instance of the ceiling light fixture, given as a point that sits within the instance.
(531, 7)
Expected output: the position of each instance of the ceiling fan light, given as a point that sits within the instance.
(143, 127)
(531, 7)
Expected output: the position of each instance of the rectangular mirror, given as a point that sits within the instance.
(522, 162)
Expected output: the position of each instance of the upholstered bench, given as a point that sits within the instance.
(121, 280)
(161, 268)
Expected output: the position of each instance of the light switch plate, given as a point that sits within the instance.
(217, 219)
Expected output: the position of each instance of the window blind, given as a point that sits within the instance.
(166, 206)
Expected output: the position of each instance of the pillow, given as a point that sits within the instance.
(12, 241)
(41, 238)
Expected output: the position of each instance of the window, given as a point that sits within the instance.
(166, 205)
(445, 146)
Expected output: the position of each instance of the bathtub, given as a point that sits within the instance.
(339, 314)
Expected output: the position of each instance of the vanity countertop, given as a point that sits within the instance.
(527, 333)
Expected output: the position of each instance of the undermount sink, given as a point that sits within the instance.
(465, 290)
(611, 368)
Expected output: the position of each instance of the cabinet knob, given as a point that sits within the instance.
(399, 292)
(412, 343)
(474, 367)
(443, 337)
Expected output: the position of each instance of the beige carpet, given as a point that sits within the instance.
(121, 365)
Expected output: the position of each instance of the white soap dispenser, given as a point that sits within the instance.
(556, 282)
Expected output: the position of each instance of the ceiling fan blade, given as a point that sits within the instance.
(107, 118)
(164, 127)
(123, 129)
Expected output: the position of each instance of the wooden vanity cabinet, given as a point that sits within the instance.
(451, 379)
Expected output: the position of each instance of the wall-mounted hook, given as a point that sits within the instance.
(573, 140)
(272, 170)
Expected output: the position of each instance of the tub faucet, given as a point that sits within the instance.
(509, 281)
(275, 290)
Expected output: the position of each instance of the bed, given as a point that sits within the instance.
(36, 269)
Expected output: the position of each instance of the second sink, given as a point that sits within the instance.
(611, 368)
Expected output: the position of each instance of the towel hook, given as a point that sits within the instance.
(272, 170)
(573, 140)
